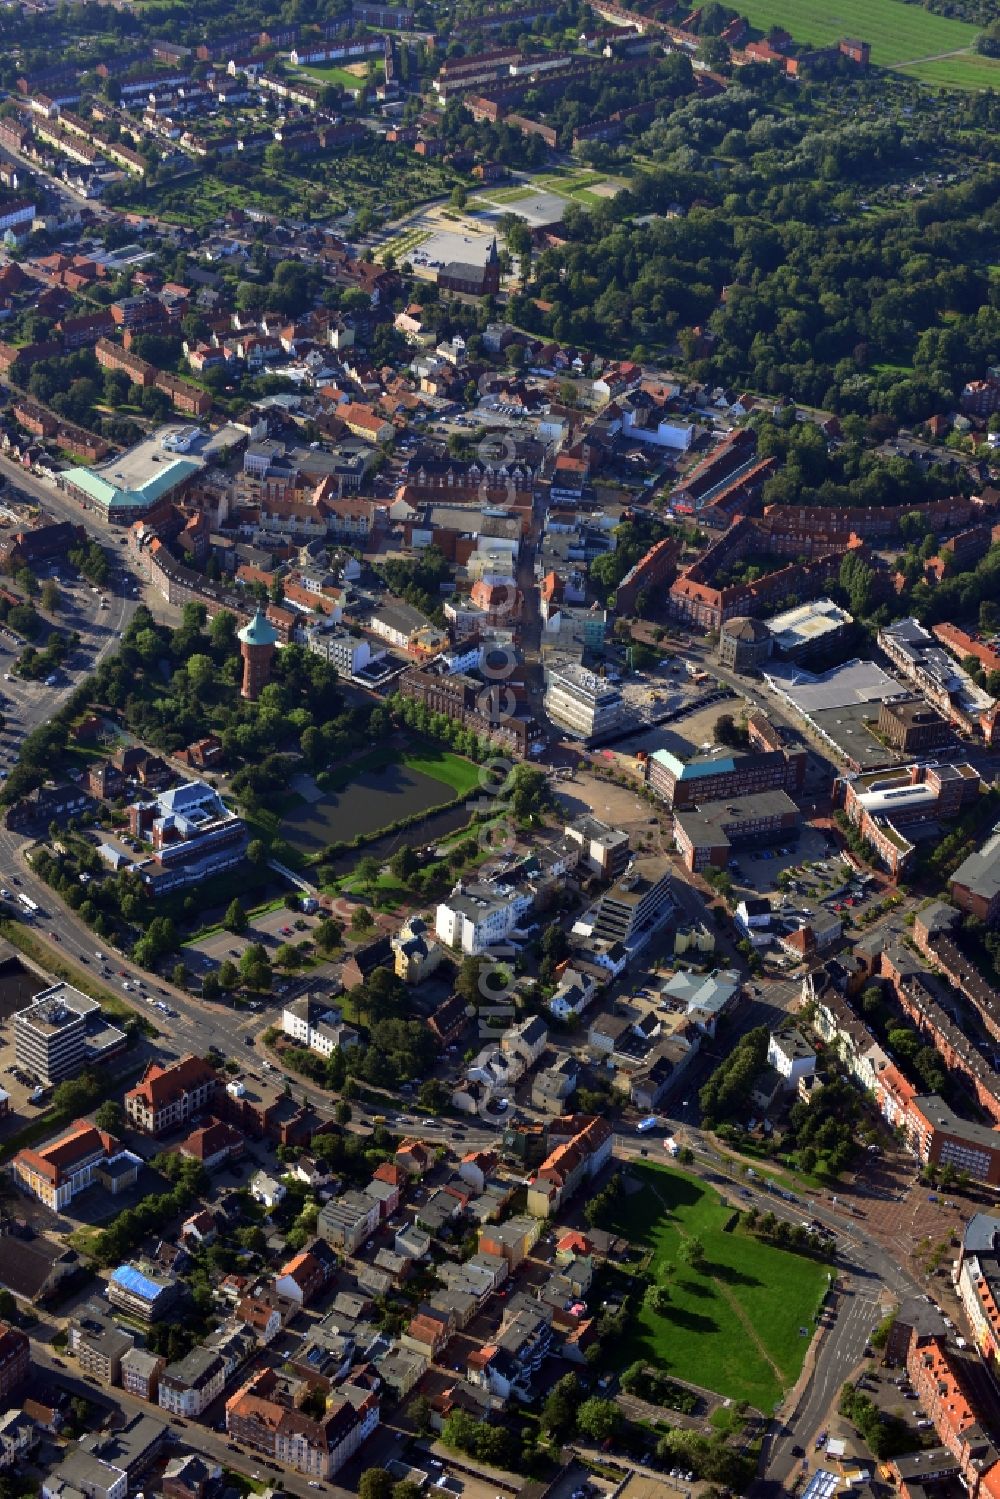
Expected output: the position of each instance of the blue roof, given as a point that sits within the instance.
(717, 765)
(131, 1278)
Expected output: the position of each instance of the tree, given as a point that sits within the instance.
(362, 919)
(727, 731)
(560, 1408)
(328, 934)
(599, 1419)
(235, 919)
(109, 1116)
(375, 1483)
(51, 597)
(178, 976)
(403, 864)
(201, 672)
(433, 1095)
(256, 852)
(693, 1253)
(367, 873)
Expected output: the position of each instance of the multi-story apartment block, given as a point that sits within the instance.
(141, 1372)
(477, 917)
(100, 1347)
(49, 1036)
(606, 850)
(347, 1221)
(313, 1022)
(142, 1293)
(975, 884)
(168, 1096)
(581, 1148)
(191, 1383)
(979, 1284)
(941, 680)
(262, 1416)
(15, 1362)
(636, 903)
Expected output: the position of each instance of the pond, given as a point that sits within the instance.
(376, 798)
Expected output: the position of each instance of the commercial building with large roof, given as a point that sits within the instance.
(842, 706)
(127, 487)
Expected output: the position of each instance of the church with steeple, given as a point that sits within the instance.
(472, 280)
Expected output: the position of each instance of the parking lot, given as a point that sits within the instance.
(273, 929)
(810, 871)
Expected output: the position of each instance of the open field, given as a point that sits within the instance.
(344, 76)
(964, 70)
(734, 1326)
(898, 33)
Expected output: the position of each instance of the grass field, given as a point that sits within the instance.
(453, 770)
(441, 765)
(967, 70)
(734, 1327)
(897, 32)
(337, 75)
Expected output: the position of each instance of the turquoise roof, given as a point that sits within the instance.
(259, 631)
(720, 765)
(93, 483)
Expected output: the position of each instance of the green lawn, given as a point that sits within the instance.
(968, 70)
(441, 765)
(897, 32)
(733, 1327)
(332, 74)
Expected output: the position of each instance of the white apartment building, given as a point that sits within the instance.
(314, 1023)
(474, 920)
(192, 1383)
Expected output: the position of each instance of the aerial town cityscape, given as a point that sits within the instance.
(499, 749)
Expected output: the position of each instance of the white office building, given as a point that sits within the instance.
(581, 703)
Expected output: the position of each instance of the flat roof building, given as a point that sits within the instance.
(636, 903)
(975, 884)
(842, 705)
(581, 703)
(706, 835)
(909, 724)
(127, 487)
(809, 630)
(60, 1032)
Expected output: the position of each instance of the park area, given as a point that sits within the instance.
(736, 1319)
(921, 44)
(378, 789)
